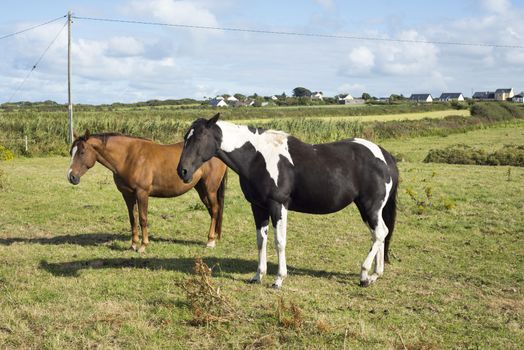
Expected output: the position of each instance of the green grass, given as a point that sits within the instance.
(67, 279)
(378, 117)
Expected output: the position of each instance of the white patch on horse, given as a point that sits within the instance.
(379, 234)
(271, 144)
(73, 152)
(377, 152)
(190, 134)
(280, 245)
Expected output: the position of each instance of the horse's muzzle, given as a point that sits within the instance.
(184, 175)
(75, 180)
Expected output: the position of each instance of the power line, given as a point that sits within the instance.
(37, 63)
(317, 35)
(30, 28)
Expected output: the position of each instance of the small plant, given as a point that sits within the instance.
(6, 154)
(427, 201)
(207, 304)
(196, 206)
(289, 315)
(508, 174)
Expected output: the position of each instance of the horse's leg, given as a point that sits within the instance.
(132, 210)
(210, 201)
(279, 219)
(378, 234)
(261, 216)
(143, 199)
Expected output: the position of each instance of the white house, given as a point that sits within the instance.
(451, 96)
(503, 94)
(274, 98)
(344, 99)
(421, 98)
(218, 103)
(232, 99)
(518, 98)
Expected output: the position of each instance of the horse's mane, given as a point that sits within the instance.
(106, 135)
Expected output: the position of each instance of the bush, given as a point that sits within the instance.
(6, 154)
(463, 154)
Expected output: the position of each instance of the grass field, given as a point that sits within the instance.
(380, 117)
(67, 279)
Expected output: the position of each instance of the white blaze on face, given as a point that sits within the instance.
(190, 134)
(270, 144)
(377, 152)
(73, 152)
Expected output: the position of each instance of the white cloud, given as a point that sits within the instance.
(174, 11)
(328, 4)
(498, 6)
(361, 60)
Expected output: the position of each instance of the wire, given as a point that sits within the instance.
(37, 62)
(30, 28)
(318, 35)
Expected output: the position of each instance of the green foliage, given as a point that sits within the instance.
(464, 154)
(6, 154)
(427, 200)
(301, 92)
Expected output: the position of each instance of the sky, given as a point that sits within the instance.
(117, 62)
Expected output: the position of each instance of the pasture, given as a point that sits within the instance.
(68, 280)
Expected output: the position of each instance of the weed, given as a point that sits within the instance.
(427, 201)
(289, 315)
(196, 206)
(6, 154)
(207, 304)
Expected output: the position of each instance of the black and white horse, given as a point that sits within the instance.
(278, 173)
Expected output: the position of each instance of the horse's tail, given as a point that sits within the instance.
(389, 213)
(220, 196)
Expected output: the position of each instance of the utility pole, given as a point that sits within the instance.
(69, 101)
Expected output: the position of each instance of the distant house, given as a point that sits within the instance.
(216, 102)
(518, 98)
(317, 96)
(232, 99)
(274, 98)
(484, 95)
(219, 98)
(503, 94)
(421, 98)
(451, 96)
(344, 99)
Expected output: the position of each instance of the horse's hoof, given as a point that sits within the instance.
(211, 244)
(365, 283)
(254, 280)
(133, 247)
(276, 286)
(142, 249)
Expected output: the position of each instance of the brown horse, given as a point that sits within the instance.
(142, 168)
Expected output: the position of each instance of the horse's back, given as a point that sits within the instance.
(330, 176)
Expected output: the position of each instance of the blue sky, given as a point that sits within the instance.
(123, 62)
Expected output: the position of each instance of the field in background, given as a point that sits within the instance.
(379, 117)
(67, 279)
(46, 129)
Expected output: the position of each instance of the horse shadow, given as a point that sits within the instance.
(92, 239)
(222, 267)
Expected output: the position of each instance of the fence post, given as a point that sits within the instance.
(26, 148)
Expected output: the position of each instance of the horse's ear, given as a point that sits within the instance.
(75, 135)
(214, 119)
(87, 134)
